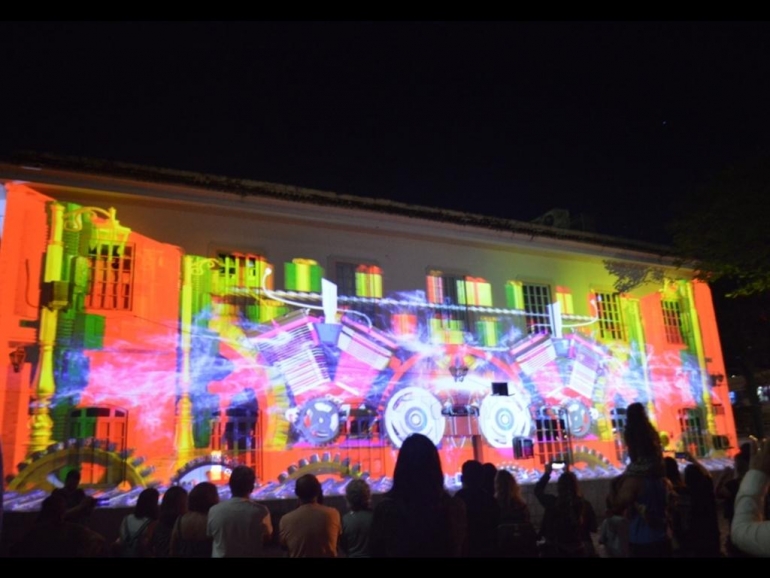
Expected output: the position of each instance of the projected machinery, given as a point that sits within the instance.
(414, 410)
(213, 366)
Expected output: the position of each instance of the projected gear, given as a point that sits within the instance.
(590, 457)
(319, 421)
(579, 417)
(514, 469)
(203, 469)
(414, 410)
(502, 418)
(325, 464)
(96, 458)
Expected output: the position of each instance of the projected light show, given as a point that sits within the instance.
(140, 363)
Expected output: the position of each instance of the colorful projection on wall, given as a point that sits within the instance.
(160, 362)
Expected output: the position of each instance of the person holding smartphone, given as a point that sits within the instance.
(569, 519)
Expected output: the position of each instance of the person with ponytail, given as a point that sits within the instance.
(644, 494)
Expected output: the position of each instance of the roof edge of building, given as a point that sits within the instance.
(249, 187)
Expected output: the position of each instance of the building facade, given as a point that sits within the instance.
(163, 326)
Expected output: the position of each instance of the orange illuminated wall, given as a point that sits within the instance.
(22, 249)
(197, 362)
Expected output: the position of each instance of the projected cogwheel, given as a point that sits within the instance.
(204, 469)
(324, 464)
(108, 466)
(414, 410)
(502, 418)
(590, 457)
(579, 417)
(318, 421)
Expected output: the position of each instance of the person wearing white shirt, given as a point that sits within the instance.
(239, 527)
(750, 531)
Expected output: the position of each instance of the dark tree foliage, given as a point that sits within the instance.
(725, 230)
(724, 233)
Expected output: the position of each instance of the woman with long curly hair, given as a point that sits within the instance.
(516, 536)
(508, 496)
(642, 440)
(644, 494)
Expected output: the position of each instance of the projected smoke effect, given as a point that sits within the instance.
(203, 364)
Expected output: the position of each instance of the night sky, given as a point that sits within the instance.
(621, 121)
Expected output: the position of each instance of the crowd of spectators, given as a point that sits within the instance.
(652, 510)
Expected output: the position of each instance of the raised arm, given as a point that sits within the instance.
(540, 494)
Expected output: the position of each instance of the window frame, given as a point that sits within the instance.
(530, 314)
(673, 321)
(354, 263)
(612, 327)
(107, 268)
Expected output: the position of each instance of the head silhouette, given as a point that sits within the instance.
(307, 489)
(490, 471)
(242, 480)
(473, 474)
(672, 471)
(202, 497)
(642, 439)
(72, 480)
(418, 477)
(173, 504)
(147, 504)
(507, 489)
(567, 485)
(358, 494)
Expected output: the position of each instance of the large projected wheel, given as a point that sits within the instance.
(502, 418)
(319, 421)
(579, 417)
(414, 410)
(97, 459)
(324, 464)
(204, 469)
(590, 457)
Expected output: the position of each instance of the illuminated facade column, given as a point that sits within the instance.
(184, 442)
(633, 316)
(695, 342)
(41, 425)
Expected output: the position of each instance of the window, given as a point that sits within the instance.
(238, 287)
(451, 289)
(537, 301)
(672, 321)
(111, 276)
(242, 270)
(552, 437)
(618, 421)
(448, 323)
(345, 275)
(610, 318)
(359, 280)
(443, 288)
(692, 426)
